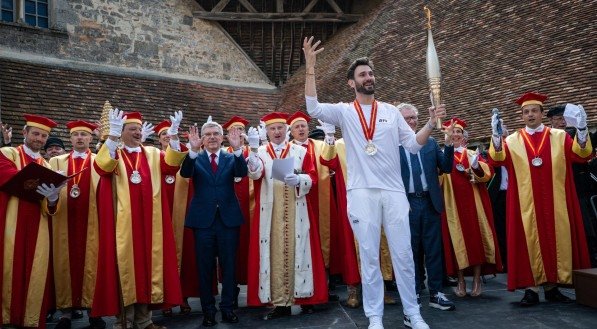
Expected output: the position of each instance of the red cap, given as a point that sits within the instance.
(81, 125)
(274, 117)
(531, 98)
(458, 123)
(39, 122)
(236, 121)
(297, 116)
(133, 117)
(161, 126)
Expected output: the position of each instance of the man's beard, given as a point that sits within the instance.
(363, 90)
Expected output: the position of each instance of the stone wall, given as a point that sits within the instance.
(156, 35)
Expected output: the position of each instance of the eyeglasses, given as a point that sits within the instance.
(413, 117)
(216, 134)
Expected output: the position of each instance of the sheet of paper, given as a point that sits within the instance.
(282, 167)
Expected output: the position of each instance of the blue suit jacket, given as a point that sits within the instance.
(434, 163)
(214, 191)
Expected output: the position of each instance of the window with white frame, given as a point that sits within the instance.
(30, 12)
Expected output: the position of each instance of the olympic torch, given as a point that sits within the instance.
(433, 73)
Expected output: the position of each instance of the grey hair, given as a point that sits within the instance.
(212, 124)
(403, 106)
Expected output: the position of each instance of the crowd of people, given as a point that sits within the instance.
(139, 228)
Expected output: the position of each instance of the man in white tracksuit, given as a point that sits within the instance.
(376, 196)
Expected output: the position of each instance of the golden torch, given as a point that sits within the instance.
(433, 73)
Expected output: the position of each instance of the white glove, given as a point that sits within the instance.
(116, 119)
(475, 161)
(494, 124)
(50, 192)
(175, 123)
(575, 116)
(262, 131)
(253, 137)
(291, 180)
(328, 128)
(330, 139)
(146, 131)
(209, 119)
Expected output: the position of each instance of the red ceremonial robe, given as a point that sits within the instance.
(146, 250)
(546, 238)
(335, 159)
(25, 249)
(76, 239)
(468, 230)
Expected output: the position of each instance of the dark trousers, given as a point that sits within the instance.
(498, 204)
(222, 242)
(426, 242)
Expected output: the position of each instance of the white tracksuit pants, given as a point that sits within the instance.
(368, 210)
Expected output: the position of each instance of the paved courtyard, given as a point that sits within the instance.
(496, 308)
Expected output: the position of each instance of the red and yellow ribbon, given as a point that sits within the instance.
(368, 130)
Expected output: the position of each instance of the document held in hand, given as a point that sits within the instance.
(23, 185)
(282, 167)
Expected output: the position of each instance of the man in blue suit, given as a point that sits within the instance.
(420, 177)
(214, 214)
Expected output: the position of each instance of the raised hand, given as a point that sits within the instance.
(234, 139)
(449, 131)
(6, 132)
(327, 128)
(146, 131)
(175, 121)
(195, 139)
(116, 118)
(310, 50)
(437, 113)
(262, 132)
(253, 138)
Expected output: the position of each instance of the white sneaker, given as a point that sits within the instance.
(375, 322)
(415, 322)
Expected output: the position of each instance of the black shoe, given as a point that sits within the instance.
(97, 323)
(278, 312)
(235, 300)
(530, 298)
(229, 317)
(307, 309)
(333, 297)
(209, 320)
(391, 285)
(64, 323)
(554, 295)
(450, 281)
(50, 315)
(77, 314)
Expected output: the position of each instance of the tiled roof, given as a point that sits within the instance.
(63, 95)
(490, 53)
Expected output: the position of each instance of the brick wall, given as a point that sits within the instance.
(65, 94)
